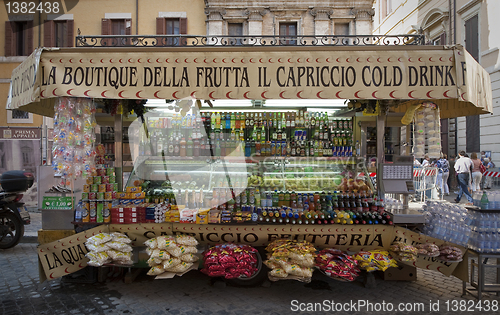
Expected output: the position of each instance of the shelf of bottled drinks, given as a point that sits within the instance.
(295, 167)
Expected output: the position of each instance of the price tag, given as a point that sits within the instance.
(58, 203)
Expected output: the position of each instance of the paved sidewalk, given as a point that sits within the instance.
(194, 293)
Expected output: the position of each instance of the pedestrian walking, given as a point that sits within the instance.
(444, 172)
(463, 167)
(476, 172)
(489, 165)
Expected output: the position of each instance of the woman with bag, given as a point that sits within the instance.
(476, 172)
(444, 172)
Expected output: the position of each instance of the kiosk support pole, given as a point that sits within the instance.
(380, 147)
(119, 150)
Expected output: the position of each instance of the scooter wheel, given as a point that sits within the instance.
(11, 230)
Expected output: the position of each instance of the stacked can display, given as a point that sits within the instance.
(73, 150)
(98, 194)
(427, 127)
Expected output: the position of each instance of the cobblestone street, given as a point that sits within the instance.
(195, 293)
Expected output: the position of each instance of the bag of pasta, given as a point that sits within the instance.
(182, 267)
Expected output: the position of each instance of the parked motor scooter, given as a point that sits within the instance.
(13, 213)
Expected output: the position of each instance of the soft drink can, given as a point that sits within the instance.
(110, 171)
(85, 211)
(93, 211)
(99, 209)
(106, 212)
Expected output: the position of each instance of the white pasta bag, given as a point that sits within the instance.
(186, 240)
(165, 244)
(189, 257)
(160, 254)
(149, 251)
(190, 250)
(122, 247)
(93, 263)
(154, 262)
(177, 251)
(99, 239)
(151, 243)
(183, 266)
(119, 256)
(301, 272)
(100, 258)
(156, 270)
(97, 248)
(120, 237)
(171, 262)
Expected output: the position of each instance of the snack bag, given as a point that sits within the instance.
(151, 243)
(156, 270)
(182, 267)
(122, 247)
(187, 240)
(99, 239)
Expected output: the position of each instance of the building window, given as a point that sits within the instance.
(441, 40)
(235, 30)
(171, 26)
(288, 33)
(18, 38)
(58, 33)
(16, 116)
(19, 114)
(116, 27)
(386, 8)
(341, 28)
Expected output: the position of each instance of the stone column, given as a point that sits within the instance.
(214, 21)
(363, 21)
(255, 21)
(322, 22)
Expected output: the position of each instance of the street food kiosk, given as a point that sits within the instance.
(396, 78)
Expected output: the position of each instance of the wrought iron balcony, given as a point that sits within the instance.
(204, 41)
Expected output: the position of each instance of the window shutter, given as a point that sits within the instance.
(105, 30)
(48, 33)
(9, 39)
(128, 26)
(29, 38)
(160, 26)
(106, 27)
(160, 30)
(70, 24)
(183, 26)
(442, 38)
(183, 30)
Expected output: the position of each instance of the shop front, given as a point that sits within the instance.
(246, 176)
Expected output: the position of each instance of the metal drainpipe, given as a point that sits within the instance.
(39, 27)
(136, 17)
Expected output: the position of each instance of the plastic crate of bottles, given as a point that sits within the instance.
(448, 222)
(487, 200)
(485, 237)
